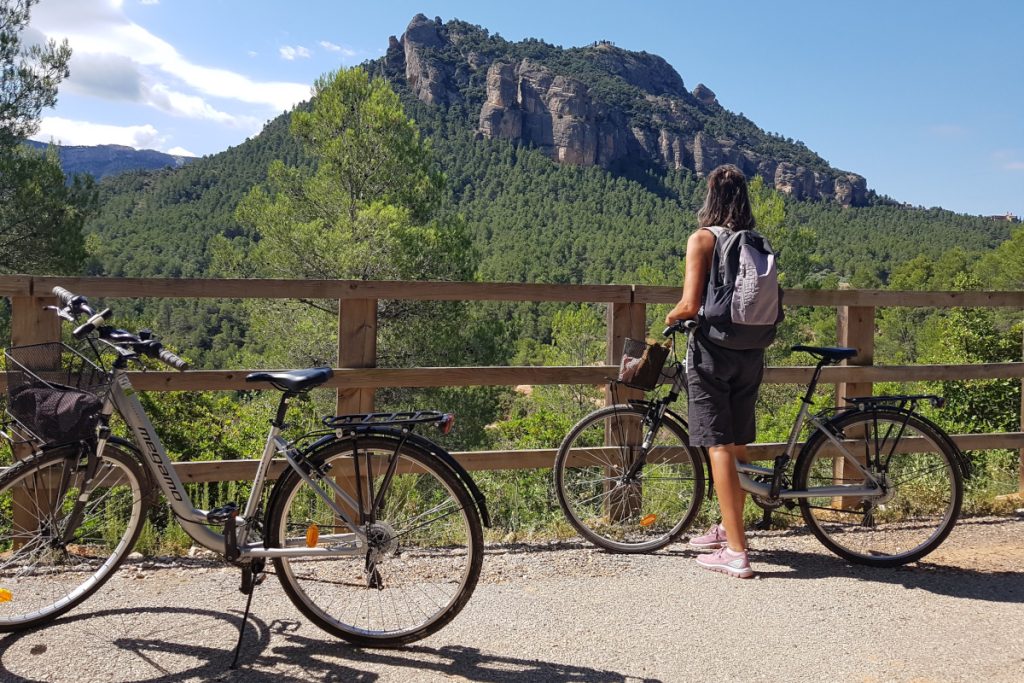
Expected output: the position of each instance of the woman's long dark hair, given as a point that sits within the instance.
(727, 203)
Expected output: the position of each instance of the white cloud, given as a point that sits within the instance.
(192, 107)
(332, 47)
(149, 2)
(68, 132)
(99, 29)
(107, 76)
(1008, 159)
(181, 152)
(291, 53)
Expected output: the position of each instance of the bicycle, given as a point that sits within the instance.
(375, 531)
(877, 482)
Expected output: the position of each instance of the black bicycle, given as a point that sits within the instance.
(877, 482)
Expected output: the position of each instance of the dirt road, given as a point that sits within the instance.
(572, 613)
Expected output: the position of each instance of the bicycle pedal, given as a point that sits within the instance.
(222, 514)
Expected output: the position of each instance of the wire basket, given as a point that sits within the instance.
(54, 392)
(641, 364)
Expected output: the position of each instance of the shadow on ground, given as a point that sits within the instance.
(292, 657)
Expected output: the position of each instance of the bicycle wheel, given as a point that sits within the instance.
(421, 558)
(636, 516)
(921, 481)
(45, 567)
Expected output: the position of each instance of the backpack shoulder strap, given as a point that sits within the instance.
(717, 231)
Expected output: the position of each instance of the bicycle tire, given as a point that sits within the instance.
(43, 576)
(923, 489)
(419, 560)
(634, 517)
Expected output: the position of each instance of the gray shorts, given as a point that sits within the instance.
(722, 386)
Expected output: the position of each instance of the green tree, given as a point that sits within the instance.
(370, 208)
(793, 243)
(40, 216)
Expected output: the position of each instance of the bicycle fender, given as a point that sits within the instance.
(460, 472)
(962, 461)
(966, 466)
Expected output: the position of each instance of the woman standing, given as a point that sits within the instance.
(722, 383)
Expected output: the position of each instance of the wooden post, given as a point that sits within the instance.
(855, 328)
(357, 348)
(624, 320)
(31, 324)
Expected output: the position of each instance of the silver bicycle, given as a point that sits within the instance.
(876, 482)
(373, 529)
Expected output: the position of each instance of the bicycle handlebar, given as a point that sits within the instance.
(171, 359)
(680, 326)
(75, 305)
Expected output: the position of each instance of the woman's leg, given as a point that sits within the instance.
(730, 496)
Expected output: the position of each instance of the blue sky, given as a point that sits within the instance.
(923, 98)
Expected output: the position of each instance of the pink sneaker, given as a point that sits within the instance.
(728, 562)
(712, 540)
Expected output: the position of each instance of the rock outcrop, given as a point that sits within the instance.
(530, 102)
(428, 80)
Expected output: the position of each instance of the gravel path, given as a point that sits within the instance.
(572, 613)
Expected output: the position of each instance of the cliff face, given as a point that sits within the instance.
(626, 108)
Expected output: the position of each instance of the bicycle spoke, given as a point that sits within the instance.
(644, 514)
(912, 511)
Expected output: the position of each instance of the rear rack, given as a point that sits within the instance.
(900, 400)
(443, 420)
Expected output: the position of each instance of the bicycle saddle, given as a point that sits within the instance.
(832, 354)
(293, 380)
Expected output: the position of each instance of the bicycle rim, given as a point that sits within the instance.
(922, 490)
(640, 515)
(419, 566)
(45, 569)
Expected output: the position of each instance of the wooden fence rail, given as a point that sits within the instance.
(356, 378)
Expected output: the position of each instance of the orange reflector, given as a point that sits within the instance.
(447, 423)
(648, 520)
(5, 595)
(312, 535)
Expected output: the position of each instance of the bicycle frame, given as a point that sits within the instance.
(194, 521)
(746, 471)
(870, 488)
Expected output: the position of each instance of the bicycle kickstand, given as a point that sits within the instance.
(252, 576)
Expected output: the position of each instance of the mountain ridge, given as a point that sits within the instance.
(600, 105)
(101, 161)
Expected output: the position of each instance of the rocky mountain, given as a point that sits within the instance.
(107, 160)
(599, 105)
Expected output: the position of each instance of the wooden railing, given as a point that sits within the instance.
(357, 376)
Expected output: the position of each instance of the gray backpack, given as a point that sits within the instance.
(742, 305)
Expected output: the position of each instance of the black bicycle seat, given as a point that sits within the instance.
(832, 354)
(293, 380)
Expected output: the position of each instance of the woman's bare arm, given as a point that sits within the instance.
(699, 249)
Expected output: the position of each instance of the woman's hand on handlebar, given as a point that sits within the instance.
(675, 326)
